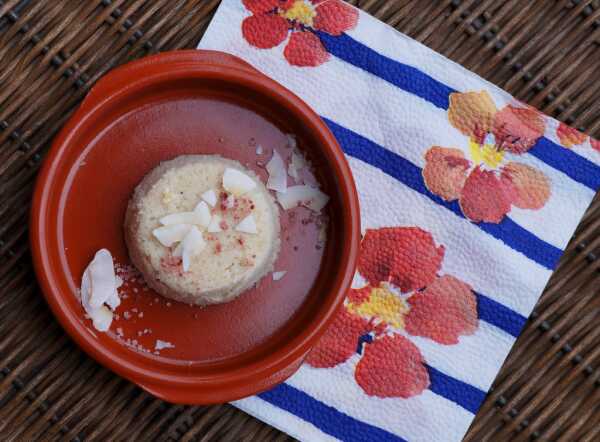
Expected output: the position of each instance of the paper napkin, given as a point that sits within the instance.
(468, 199)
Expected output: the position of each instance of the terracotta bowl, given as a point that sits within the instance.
(152, 110)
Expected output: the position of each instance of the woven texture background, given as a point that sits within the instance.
(546, 52)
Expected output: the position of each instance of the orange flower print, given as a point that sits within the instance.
(404, 296)
(570, 136)
(486, 183)
(273, 20)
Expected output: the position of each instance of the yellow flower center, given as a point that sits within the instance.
(301, 12)
(485, 154)
(383, 305)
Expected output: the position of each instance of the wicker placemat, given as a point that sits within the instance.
(545, 52)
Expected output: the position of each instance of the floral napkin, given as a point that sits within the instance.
(468, 199)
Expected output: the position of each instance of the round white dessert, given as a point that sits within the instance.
(238, 248)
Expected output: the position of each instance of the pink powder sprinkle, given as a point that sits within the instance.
(127, 272)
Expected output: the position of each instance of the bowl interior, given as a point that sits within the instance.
(105, 156)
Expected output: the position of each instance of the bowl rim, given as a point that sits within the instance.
(260, 374)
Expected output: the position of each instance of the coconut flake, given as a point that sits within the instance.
(192, 244)
(277, 175)
(318, 202)
(304, 195)
(178, 251)
(114, 301)
(210, 196)
(200, 216)
(85, 291)
(296, 164)
(278, 275)
(215, 224)
(102, 278)
(99, 286)
(237, 182)
(203, 213)
(247, 225)
(101, 318)
(161, 345)
(169, 235)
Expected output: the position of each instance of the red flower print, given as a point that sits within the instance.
(408, 257)
(273, 20)
(392, 367)
(443, 311)
(305, 49)
(440, 308)
(486, 184)
(340, 340)
(486, 196)
(569, 136)
(529, 185)
(265, 31)
(446, 171)
(595, 144)
(517, 129)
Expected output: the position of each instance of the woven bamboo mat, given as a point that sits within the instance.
(546, 52)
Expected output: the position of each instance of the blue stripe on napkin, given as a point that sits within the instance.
(326, 418)
(509, 232)
(412, 80)
(499, 315)
(400, 75)
(468, 397)
(579, 169)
